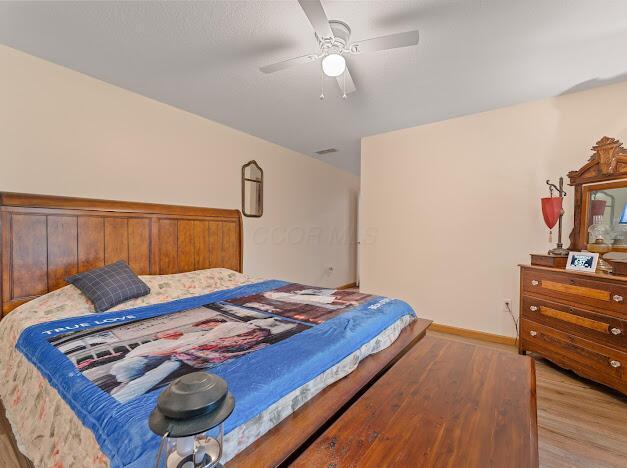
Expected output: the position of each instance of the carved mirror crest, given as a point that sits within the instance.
(252, 190)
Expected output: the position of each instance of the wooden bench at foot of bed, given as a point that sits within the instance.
(444, 404)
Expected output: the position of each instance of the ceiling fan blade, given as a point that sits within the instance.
(393, 41)
(350, 84)
(317, 17)
(288, 63)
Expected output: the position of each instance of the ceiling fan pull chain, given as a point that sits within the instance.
(321, 84)
(344, 87)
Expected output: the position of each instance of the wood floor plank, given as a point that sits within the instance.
(10, 457)
(7, 454)
(581, 424)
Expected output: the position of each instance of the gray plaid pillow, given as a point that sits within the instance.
(110, 285)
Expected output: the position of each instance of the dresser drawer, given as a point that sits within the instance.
(577, 289)
(586, 358)
(577, 321)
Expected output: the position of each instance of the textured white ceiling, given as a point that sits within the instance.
(474, 55)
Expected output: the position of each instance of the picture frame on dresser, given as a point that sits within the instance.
(582, 261)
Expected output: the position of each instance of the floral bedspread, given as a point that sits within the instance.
(46, 429)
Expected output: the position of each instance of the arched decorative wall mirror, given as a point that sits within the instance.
(252, 190)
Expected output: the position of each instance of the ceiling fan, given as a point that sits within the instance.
(333, 38)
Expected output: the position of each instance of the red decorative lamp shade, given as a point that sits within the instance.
(551, 210)
(597, 207)
(552, 213)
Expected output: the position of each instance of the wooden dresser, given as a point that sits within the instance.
(577, 320)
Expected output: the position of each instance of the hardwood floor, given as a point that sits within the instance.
(581, 424)
(9, 455)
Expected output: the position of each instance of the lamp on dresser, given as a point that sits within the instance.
(578, 320)
(552, 212)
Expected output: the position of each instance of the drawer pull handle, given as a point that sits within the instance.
(533, 308)
(535, 282)
(533, 333)
(615, 331)
(615, 364)
(617, 298)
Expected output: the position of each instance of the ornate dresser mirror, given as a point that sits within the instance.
(252, 190)
(601, 198)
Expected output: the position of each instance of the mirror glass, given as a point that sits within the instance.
(252, 172)
(252, 190)
(607, 207)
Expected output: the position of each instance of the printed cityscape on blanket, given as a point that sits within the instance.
(133, 358)
(303, 303)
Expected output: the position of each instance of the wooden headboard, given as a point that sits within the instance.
(47, 238)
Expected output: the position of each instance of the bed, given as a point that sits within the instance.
(192, 260)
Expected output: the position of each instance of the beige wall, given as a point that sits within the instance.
(449, 209)
(65, 133)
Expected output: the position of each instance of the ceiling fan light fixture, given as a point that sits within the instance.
(334, 43)
(333, 65)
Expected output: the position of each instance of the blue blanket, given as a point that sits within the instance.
(278, 337)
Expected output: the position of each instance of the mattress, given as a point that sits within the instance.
(49, 431)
